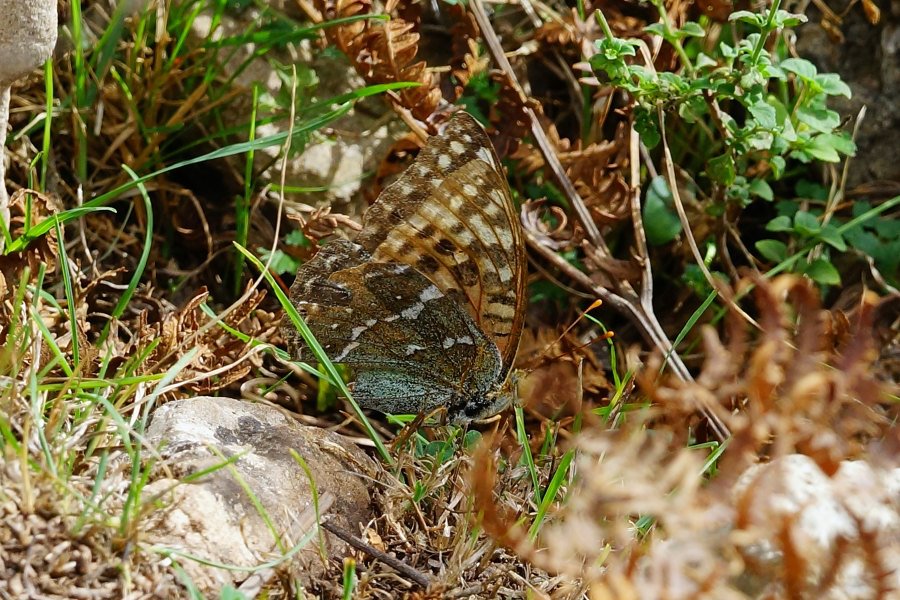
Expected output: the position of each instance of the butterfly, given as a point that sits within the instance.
(426, 305)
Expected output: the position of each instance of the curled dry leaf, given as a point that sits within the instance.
(179, 331)
(41, 251)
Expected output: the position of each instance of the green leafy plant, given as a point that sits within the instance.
(764, 125)
(748, 118)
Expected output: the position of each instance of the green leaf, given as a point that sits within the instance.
(656, 29)
(646, 127)
(822, 148)
(764, 114)
(296, 238)
(831, 236)
(722, 169)
(778, 164)
(762, 189)
(842, 142)
(780, 223)
(704, 61)
(785, 19)
(806, 223)
(693, 29)
(746, 16)
(281, 262)
(661, 223)
(692, 109)
(772, 250)
(823, 272)
(819, 118)
(811, 190)
(230, 593)
(800, 67)
(728, 51)
(832, 85)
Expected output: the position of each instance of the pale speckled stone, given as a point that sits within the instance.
(859, 501)
(214, 517)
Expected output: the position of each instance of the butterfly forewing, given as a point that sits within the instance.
(381, 318)
(450, 215)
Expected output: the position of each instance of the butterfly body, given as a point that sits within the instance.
(426, 304)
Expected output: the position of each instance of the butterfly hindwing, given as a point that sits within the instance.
(450, 215)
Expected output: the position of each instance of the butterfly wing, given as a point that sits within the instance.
(451, 216)
(414, 348)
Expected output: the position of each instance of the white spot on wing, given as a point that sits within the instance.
(430, 293)
(345, 352)
(443, 162)
(457, 147)
(482, 230)
(502, 311)
(413, 311)
(485, 155)
(412, 349)
(465, 340)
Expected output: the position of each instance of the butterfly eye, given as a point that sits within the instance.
(471, 409)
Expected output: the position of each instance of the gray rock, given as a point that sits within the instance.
(869, 62)
(214, 516)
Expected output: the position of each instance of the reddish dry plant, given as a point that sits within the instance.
(382, 52)
(790, 393)
(386, 53)
(795, 389)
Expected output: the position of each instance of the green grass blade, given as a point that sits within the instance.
(527, 458)
(129, 291)
(319, 353)
(559, 476)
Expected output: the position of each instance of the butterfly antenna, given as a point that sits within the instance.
(607, 335)
(408, 430)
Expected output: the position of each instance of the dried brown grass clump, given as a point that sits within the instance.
(53, 544)
(425, 507)
(812, 430)
(221, 358)
(41, 252)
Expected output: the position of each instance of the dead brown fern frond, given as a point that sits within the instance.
(383, 52)
(800, 504)
(792, 391)
(596, 170)
(220, 358)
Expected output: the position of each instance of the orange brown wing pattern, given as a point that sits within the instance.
(451, 217)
